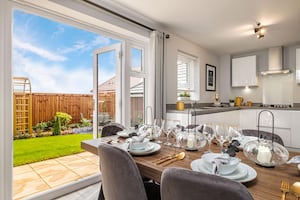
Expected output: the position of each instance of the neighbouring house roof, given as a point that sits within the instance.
(136, 86)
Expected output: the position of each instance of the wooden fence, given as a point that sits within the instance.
(45, 105)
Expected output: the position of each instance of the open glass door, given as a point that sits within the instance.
(106, 86)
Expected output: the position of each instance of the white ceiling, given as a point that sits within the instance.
(224, 26)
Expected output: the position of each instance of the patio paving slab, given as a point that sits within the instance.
(40, 176)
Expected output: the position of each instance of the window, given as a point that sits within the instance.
(137, 86)
(186, 74)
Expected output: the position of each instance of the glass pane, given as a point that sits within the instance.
(136, 60)
(137, 95)
(107, 86)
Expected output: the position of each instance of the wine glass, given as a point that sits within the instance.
(171, 126)
(177, 131)
(222, 134)
(158, 128)
(209, 134)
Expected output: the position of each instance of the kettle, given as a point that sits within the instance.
(239, 101)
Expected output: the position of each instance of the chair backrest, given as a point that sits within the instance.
(120, 176)
(111, 129)
(263, 134)
(178, 184)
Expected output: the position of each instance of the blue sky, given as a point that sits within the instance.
(56, 57)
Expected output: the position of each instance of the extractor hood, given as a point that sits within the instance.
(275, 62)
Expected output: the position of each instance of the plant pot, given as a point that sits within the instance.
(183, 98)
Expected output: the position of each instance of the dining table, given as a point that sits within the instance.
(264, 186)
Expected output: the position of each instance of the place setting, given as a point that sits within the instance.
(225, 163)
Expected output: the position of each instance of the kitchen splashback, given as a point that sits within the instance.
(278, 89)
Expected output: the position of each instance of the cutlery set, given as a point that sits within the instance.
(168, 159)
(285, 189)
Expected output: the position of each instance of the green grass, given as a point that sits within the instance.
(43, 148)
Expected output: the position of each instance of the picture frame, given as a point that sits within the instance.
(210, 78)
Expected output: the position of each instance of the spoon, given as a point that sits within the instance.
(179, 156)
(296, 189)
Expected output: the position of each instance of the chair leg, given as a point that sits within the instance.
(101, 195)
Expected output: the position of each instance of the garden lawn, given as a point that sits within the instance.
(43, 148)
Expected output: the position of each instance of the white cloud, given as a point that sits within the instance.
(60, 30)
(99, 41)
(53, 78)
(37, 50)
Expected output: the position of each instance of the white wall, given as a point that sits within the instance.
(255, 94)
(172, 45)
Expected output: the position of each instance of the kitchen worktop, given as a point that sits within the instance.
(213, 109)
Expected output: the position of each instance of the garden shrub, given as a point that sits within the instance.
(56, 126)
(85, 122)
(61, 121)
(65, 118)
(41, 127)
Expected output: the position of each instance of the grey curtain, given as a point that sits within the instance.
(157, 48)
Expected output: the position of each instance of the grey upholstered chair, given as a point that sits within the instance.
(263, 134)
(178, 184)
(121, 178)
(111, 129)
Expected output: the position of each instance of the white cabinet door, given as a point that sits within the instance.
(244, 71)
(282, 124)
(248, 119)
(295, 137)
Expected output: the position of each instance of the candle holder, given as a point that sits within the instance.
(266, 153)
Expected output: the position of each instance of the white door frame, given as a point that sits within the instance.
(6, 107)
(118, 106)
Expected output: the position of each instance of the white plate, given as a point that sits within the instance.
(152, 147)
(244, 173)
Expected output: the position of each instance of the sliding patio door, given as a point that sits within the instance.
(106, 86)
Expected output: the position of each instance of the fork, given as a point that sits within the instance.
(285, 188)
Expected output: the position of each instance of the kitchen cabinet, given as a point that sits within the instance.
(298, 65)
(248, 119)
(229, 117)
(295, 137)
(243, 71)
(286, 122)
(282, 124)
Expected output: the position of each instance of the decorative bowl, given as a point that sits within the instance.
(224, 168)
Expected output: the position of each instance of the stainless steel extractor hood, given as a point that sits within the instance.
(275, 62)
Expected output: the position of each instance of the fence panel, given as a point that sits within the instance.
(45, 105)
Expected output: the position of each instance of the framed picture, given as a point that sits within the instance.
(210, 78)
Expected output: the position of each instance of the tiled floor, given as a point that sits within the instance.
(40, 176)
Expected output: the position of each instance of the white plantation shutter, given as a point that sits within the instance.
(183, 76)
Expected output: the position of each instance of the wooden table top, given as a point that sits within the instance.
(266, 186)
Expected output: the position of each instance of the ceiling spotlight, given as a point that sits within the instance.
(259, 31)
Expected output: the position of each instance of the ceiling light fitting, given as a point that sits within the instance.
(259, 31)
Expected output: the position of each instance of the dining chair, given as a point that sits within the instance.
(178, 184)
(121, 178)
(111, 129)
(263, 134)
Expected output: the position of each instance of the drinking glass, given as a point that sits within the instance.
(171, 128)
(209, 134)
(158, 128)
(168, 132)
(177, 131)
(222, 134)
